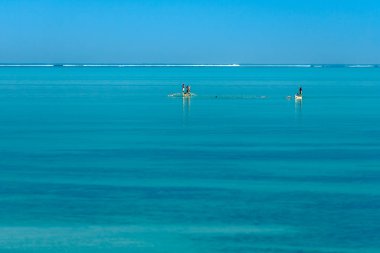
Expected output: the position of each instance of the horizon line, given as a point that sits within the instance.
(183, 64)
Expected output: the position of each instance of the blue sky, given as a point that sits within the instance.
(190, 31)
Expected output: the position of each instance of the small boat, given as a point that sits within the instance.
(297, 97)
(183, 95)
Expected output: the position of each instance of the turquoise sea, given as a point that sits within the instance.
(101, 159)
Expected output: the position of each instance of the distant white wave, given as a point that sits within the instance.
(26, 65)
(361, 66)
(281, 65)
(193, 65)
(119, 65)
(151, 65)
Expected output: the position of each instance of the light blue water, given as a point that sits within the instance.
(100, 159)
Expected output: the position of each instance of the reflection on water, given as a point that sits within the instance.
(298, 105)
(185, 108)
(298, 108)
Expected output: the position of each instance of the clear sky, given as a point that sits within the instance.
(190, 31)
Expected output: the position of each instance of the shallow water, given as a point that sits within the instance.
(101, 159)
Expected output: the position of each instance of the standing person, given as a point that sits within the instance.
(188, 89)
(300, 91)
(183, 88)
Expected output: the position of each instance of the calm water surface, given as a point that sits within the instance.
(100, 159)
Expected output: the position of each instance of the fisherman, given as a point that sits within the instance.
(300, 91)
(183, 88)
(188, 89)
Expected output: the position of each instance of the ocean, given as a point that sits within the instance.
(101, 159)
